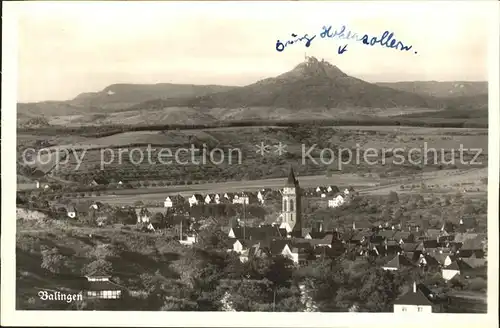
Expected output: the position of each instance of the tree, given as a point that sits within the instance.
(393, 197)
(124, 216)
(477, 284)
(103, 252)
(98, 266)
(279, 271)
(378, 291)
(158, 220)
(53, 261)
(248, 294)
(398, 214)
(212, 238)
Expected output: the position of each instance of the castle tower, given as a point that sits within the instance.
(291, 204)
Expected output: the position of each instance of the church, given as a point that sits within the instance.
(291, 210)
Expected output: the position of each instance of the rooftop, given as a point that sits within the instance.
(413, 298)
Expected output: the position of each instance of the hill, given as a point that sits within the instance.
(312, 90)
(476, 102)
(125, 95)
(116, 97)
(440, 89)
(312, 84)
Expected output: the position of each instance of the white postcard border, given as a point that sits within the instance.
(11, 317)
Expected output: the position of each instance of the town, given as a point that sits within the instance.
(451, 255)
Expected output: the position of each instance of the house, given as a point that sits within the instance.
(377, 239)
(462, 237)
(349, 190)
(433, 233)
(320, 192)
(448, 227)
(291, 253)
(217, 198)
(360, 237)
(391, 247)
(332, 189)
(95, 206)
(429, 245)
(39, 173)
(403, 237)
(150, 227)
(296, 253)
(327, 241)
(443, 239)
(414, 301)
(241, 246)
(472, 248)
(99, 181)
(208, 199)
(458, 267)
(229, 196)
(467, 224)
(101, 287)
(357, 237)
(444, 259)
(336, 201)
(317, 235)
(254, 250)
(385, 234)
(260, 197)
(168, 202)
(195, 200)
(71, 212)
(474, 262)
(241, 198)
(266, 232)
(397, 263)
(428, 261)
(409, 247)
(145, 214)
(361, 225)
(189, 239)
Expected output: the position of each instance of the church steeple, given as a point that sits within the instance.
(291, 204)
(291, 181)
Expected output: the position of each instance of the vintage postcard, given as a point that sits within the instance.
(257, 164)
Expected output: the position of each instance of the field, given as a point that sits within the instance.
(250, 171)
(472, 181)
(239, 144)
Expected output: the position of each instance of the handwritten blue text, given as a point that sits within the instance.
(387, 39)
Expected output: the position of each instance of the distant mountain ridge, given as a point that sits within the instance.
(130, 94)
(311, 84)
(312, 89)
(440, 89)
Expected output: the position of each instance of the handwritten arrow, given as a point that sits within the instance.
(342, 49)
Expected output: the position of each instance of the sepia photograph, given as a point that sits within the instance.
(249, 157)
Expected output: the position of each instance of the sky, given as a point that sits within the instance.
(65, 49)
